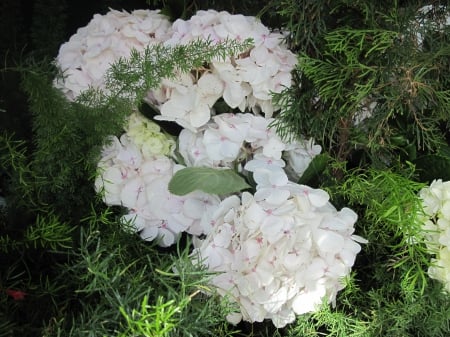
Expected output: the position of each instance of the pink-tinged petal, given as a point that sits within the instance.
(149, 233)
(265, 274)
(359, 239)
(110, 184)
(272, 40)
(272, 229)
(278, 298)
(222, 237)
(293, 261)
(251, 311)
(226, 285)
(133, 193)
(251, 249)
(315, 270)
(209, 89)
(216, 258)
(274, 147)
(348, 254)
(219, 147)
(332, 222)
(348, 216)
(282, 318)
(77, 81)
(281, 81)
(178, 222)
(193, 207)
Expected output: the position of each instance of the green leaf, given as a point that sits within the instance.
(209, 180)
(317, 166)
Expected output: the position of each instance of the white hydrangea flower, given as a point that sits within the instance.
(129, 178)
(191, 106)
(278, 261)
(436, 224)
(439, 269)
(235, 90)
(244, 81)
(271, 180)
(228, 138)
(299, 155)
(86, 57)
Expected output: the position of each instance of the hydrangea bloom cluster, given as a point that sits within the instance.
(135, 173)
(244, 82)
(283, 250)
(86, 57)
(278, 252)
(230, 138)
(276, 260)
(436, 205)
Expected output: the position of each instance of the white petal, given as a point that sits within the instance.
(308, 301)
(328, 241)
(133, 193)
(234, 318)
(199, 115)
(149, 233)
(166, 237)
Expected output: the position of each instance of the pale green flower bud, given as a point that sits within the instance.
(148, 137)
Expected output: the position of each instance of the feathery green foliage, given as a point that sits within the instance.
(392, 212)
(118, 282)
(378, 61)
(133, 77)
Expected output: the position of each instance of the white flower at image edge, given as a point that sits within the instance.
(278, 261)
(436, 224)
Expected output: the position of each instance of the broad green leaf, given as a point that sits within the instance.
(206, 179)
